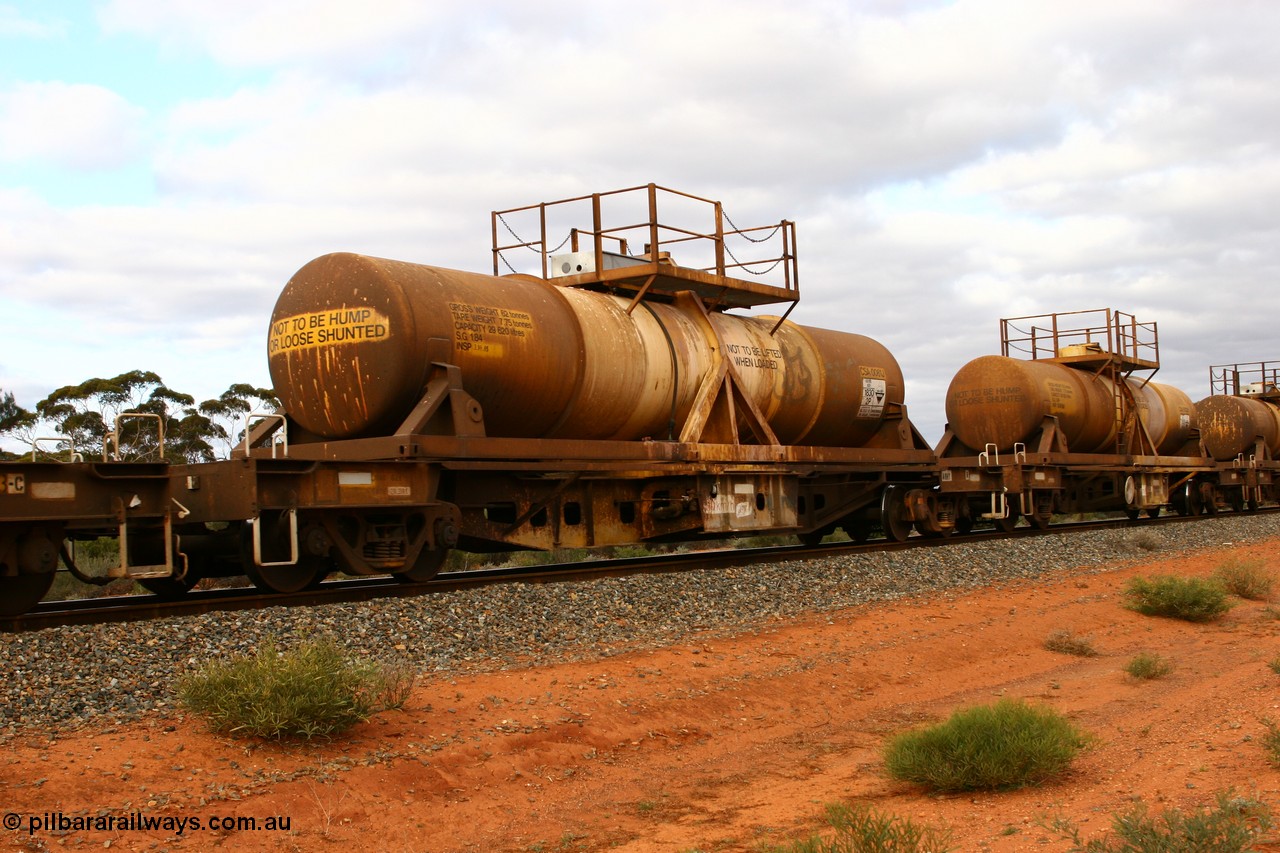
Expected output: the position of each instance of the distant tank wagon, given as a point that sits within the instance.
(1240, 431)
(1002, 401)
(1232, 427)
(1078, 426)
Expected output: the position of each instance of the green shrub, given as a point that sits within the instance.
(310, 691)
(1068, 643)
(1146, 541)
(1231, 827)
(1192, 599)
(1004, 745)
(1246, 578)
(1271, 742)
(94, 557)
(1149, 666)
(861, 829)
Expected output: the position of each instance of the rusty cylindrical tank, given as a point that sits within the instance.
(1167, 412)
(1002, 401)
(352, 339)
(1230, 426)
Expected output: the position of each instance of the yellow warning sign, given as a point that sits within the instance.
(484, 331)
(327, 328)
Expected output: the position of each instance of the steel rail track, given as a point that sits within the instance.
(129, 608)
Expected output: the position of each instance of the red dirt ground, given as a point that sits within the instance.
(716, 744)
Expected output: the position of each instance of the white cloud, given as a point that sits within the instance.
(75, 126)
(14, 23)
(948, 163)
(245, 33)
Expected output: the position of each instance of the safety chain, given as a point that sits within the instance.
(771, 268)
(526, 243)
(733, 225)
(745, 236)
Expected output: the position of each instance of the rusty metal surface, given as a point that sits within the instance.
(1003, 401)
(546, 362)
(89, 494)
(44, 503)
(352, 340)
(1231, 426)
(558, 454)
(242, 488)
(1167, 413)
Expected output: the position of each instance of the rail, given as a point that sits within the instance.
(129, 608)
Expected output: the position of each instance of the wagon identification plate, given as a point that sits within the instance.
(323, 328)
(482, 329)
(874, 390)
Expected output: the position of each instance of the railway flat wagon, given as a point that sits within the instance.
(1067, 420)
(605, 395)
(1240, 431)
(46, 506)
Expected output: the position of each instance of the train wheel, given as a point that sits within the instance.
(964, 524)
(858, 526)
(1235, 497)
(20, 593)
(37, 560)
(427, 567)
(1154, 512)
(172, 588)
(286, 579)
(1185, 500)
(307, 571)
(1041, 504)
(894, 517)
(169, 588)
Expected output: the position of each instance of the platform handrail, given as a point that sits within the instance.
(255, 526)
(278, 439)
(75, 455)
(658, 235)
(1235, 379)
(113, 438)
(1101, 330)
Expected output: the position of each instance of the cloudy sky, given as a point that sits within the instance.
(166, 165)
